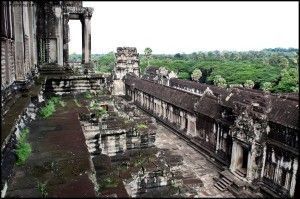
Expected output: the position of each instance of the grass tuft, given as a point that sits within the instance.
(49, 109)
(23, 149)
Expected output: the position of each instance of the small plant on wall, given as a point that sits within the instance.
(23, 149)
(141, 126)
(42, 189)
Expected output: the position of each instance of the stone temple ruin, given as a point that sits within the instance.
(129, 134)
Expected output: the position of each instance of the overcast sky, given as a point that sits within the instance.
(185, 27)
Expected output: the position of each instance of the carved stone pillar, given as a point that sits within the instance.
(66, 39)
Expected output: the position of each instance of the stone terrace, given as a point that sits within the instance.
(59, 158)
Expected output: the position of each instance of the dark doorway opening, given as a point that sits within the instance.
(245, 158)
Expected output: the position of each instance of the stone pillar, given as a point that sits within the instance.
(293, 181)
(264, 161)
(160, 108)
(163, 109)
(19, 42)
(217, 131)
(86, 38)
(235, 154)
(191, 128)
(182, 116)
(26, 41)
(142, 99)
(170, 116)
(66, 39)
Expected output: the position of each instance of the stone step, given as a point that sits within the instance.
(240, 173)
(227, 181)
(221, 184)
(219, 188)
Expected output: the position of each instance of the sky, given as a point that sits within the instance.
(186, 27)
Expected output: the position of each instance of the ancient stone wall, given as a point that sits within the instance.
(237, 127)
(127, 61)
(18, 51)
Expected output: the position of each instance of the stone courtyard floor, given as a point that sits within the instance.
(61, 160)
(194, 168)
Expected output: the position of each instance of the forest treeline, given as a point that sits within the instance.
(275, 70)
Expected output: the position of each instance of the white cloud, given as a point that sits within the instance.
(171, 27)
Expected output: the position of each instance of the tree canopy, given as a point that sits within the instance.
(275, 69)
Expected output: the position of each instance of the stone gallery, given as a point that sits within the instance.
(128, 134)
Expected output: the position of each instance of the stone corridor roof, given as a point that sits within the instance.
(198, 86)
(173, 96)
(280, 109)
(285, 112)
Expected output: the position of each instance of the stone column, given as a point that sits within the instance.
(234, 156)
(293, 181)
(19, 45)
(191, 128)
(66, 39)
(86, 38)
(170, 117)
(182, 116)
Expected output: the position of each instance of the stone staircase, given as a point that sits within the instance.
(223, 183)
(73, 84)
(241, 173)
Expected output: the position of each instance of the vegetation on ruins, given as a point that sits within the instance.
(77, 103)
(49, 108)
(141, 126)
(99, 111)
(109, 181)
(42, 189)
(88, 95)
(23, 149)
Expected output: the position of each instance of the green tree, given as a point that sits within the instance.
(267, 86)
(249, 84)
(289, 81)
(183, 75)
(148, 53)
(279, 60)
(196, 75)
(105, 63)
(220, 81)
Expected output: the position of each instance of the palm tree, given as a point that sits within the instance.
(148, 52)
